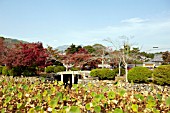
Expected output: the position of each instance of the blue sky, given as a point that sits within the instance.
(86, 22)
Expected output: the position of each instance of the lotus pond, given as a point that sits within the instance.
(20, 95)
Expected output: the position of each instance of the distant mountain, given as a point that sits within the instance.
(63, 48)
(9, 41)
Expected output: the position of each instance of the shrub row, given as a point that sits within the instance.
(103, 74)
(160, 75)
(54, 69)
(139, 75)
(1, 70)
(18, 71)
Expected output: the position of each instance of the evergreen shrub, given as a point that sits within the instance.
(139, 75)
(49, 69)
(122, 70)
(75, 69)
(59, 69)
(103, 74)
(4, 70)
(1, 67)
(12, 72)
(161, 75)
(29, 71)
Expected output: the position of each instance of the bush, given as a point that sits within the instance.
(29, 71)
(59, 69)
(103, 74)
(49, 69)
(139, 75)
(1, 67)
(122, 70)
(161, 75)
(95, 72)
(75, 69)
(12, 72)
(5, 70)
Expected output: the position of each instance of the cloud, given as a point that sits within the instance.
(146, 34)
(134, 20)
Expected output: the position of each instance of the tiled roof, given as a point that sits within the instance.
(157, 58)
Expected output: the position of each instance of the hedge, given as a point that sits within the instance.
(49, 69)
(161, 75)
(1, 67)
(4, 70)
(75, 69)
(122, 70)
(139, 75)
(59, 69)
(103, 74)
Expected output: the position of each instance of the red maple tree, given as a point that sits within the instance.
(77, 59)
(26, 54)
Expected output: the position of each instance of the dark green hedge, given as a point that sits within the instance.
(1, 67)
(103, 74)
(161, 75)
(5, 70)
(59, 69)
(49, 69)
(121, 70)
(75, 69)
(139, 75)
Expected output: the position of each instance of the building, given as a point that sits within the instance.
(155, 62)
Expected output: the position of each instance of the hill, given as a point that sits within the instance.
(9, 41)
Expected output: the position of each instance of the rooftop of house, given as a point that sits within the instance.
(157, 58)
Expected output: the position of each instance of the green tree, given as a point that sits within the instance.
(89, 48)
(72, 49)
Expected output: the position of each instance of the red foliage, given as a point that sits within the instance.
(26, 54)
(1, 49)
(76, 59)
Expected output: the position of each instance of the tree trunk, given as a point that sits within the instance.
(126, 72)
(119, 69)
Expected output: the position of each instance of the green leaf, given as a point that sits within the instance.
(31, 110)
(60, 83)
(54, 111)
(25, 87)
(38, 108)
(122, 92)
(94, 103)
(19, 105)
(8, 99)
(88, 106)
(155, 110)
(42, 79)
(139, 96)
(105, 89)
(159, 97)
(10, 107)
(75, 109)
(150, 98)
(97, 109)
(3, 110)
(118, 110)
(53, 103)
(135, 107)
(59, 95)
(168, 101)
(97, 98)
(93, 94)
(20, 95)
(44, 93)
(111, 95)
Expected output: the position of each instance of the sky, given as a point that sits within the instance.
(145, 23)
